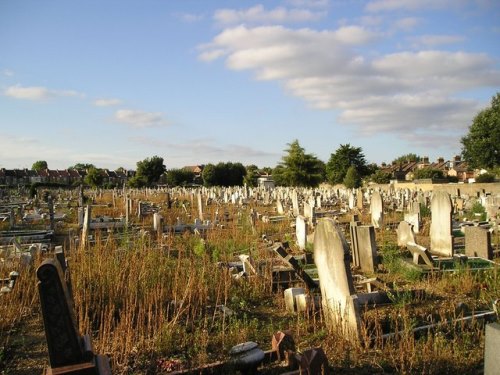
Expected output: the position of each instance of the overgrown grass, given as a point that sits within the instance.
(147, 301)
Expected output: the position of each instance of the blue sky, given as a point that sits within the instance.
(196, 82)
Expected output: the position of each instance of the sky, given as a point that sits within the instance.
(114, 82)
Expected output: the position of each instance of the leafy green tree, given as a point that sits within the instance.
(233, 174)
(380, 177)
(428, 173)
(345, 156)
(251, 175)
(39, 165)
(93, 177)
(352, 178)
(208, 175)
(406, 158)
(179, 177)
(150, 170)
(485, 177)
(137, 181)
(481, 146)
(224, 174)
(82, 166)
(297, 168)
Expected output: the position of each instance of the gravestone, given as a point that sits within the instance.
(340, 304)
(279, 207)
(364, 247)
(295, 203)
(200, 205)
(354, 240)
(405, 234)
(478, 243)
(492, 349)
(86, 225)
(290, 294)
(413, 218)
(157, 223)
(359, 199)
(69, 353)
(440, 233)
(377, 210)
(301, 232)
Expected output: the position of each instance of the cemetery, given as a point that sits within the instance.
(270, 280)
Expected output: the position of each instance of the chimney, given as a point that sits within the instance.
(457, 158)
(425, 160)
(440, 160)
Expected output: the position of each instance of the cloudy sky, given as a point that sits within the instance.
(195, 82)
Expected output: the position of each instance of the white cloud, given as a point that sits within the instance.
(406, 93)
(407, 23)
(309, 3)
(140, 119)
(107, 102)
(7, 72)
(189, 17)
(431, 41)
(38, 93)
(392, 5)
(259, 15)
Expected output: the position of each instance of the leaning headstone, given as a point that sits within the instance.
(331, 255)
(491, 349)
(478, 243)
(440, 233)
(377, 210)
(69, 353)
(405, 234)
(301, 231)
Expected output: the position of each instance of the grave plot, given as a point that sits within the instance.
(157, 299)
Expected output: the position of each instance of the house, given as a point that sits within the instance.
(460, 169)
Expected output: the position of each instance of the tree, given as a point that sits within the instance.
(39, 165)
(341, 160)
(428, 173)
(481, 146)
(380, 177)
(150, 170)
(208, 175)
(297, 168)
(178, 177)
(82, 166)
(93, 177)
(485, 177)
(224, 174)
(352, 178)
(406, 158)
(251, 175)
(137, 181)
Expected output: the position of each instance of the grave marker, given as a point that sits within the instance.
(440, 233)
(340, 304)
